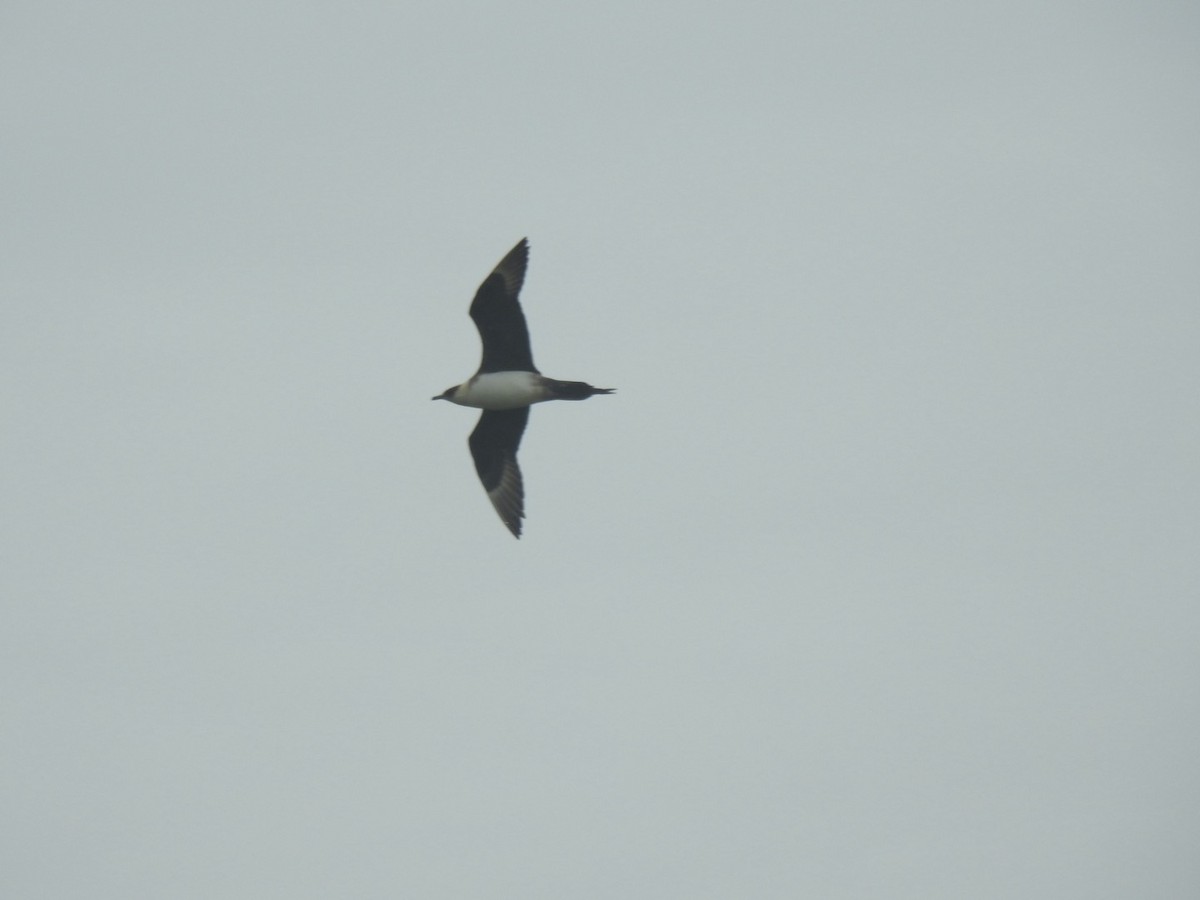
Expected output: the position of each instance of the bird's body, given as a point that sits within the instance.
(510, 390)
(505, 386)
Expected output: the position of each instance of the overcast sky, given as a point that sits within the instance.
(879, 576)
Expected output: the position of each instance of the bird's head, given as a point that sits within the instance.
(447, 394)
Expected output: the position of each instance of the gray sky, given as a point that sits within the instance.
(878, 577)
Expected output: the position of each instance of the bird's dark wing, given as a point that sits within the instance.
(494, 444)
(498, 315)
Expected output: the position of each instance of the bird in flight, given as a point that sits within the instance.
(506, 385)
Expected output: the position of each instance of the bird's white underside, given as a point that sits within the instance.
(500, 390)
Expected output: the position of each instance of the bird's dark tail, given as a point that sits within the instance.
(573, 390)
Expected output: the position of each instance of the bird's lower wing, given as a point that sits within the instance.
(494, 444)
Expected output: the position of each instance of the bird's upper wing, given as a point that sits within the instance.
(498, 316)
(494, 444)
